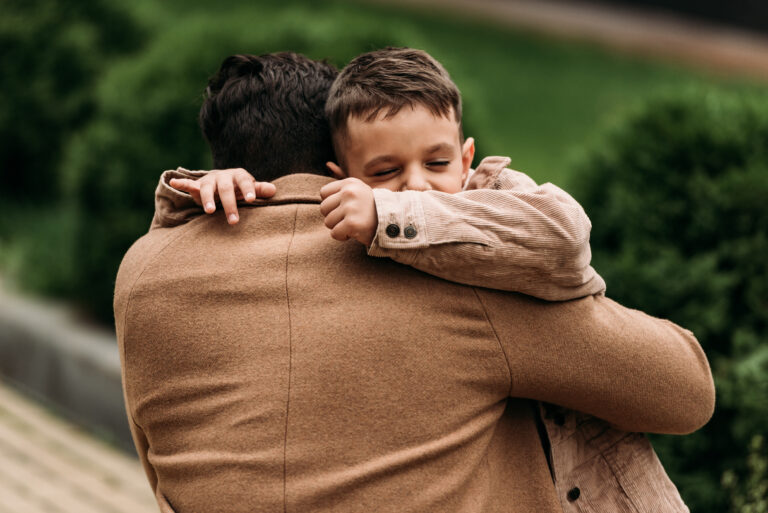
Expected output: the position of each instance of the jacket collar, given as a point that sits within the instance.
(297, 188)
(487, 173)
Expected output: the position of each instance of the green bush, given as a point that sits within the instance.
(750, 496)
(677, 197)
(51, 55)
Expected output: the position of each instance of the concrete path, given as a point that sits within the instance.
(47, 349)
(50, 466)
(640, 31)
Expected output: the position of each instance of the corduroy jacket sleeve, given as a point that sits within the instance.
(506, 233)
(174, 207)
(593, 355)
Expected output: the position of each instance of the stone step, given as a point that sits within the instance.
(49, 465)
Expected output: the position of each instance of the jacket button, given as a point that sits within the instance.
(559, 419)
(409, 232)
(573, 494)
(393, 230)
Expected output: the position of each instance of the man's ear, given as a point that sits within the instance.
(336, 171)
(467, 154)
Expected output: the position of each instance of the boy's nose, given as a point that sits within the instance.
(415, 181)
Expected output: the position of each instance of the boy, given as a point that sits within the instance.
(406, 191)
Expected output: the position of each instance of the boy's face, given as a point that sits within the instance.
(412, 150)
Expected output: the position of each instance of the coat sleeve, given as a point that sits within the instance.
(593, 355)
(514, 235)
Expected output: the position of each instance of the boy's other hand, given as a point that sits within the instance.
(229, 185)
(349, 210)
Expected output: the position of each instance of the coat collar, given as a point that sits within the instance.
(297, 188)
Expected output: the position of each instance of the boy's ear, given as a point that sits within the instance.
(467, 154)
(336, 171)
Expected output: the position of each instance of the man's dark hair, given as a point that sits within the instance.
(385, 81)
(265, 114)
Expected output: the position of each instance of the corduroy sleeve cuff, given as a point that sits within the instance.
(402, 224)
(172, 206)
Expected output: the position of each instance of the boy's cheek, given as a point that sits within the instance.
(452, 184)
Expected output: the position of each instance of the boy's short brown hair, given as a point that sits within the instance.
(388, 80)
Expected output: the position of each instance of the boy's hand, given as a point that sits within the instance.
(230, 185)
(349, 210)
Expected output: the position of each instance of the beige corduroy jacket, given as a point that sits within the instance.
(270, 368)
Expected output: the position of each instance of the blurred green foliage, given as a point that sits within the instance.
(51, 55)
(104, 98)
(751, 496)
(121, 90)
(677, 195)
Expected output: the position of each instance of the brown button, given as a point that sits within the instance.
(573, 494)
(559, 419)
(393, 230)
(409, 232)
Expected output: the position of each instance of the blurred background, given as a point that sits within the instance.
(653, 114)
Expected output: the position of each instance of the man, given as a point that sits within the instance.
(269, 368)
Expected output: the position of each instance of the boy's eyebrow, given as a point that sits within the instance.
(440, 147)
(378, 160)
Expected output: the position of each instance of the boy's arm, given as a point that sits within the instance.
(181, 192)
(511, 234)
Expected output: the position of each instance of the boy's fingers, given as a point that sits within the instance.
(184, 184)
(265, 189)
(206, 197)
(330, 204)
(331, 188)
(334, 218)
(226, 191)
(339, 232)
(247, 189)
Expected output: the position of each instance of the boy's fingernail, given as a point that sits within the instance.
(209, 206)
(250, 196)
(232, 218)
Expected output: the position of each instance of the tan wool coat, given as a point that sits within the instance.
(270, 368)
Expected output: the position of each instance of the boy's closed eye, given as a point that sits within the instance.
(437, 163)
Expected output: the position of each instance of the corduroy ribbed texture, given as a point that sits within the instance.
(504, 232)
(597, 468)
